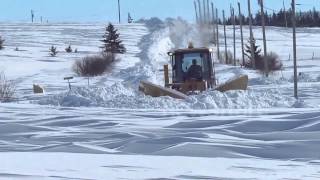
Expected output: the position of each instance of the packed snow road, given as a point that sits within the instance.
(110, 130)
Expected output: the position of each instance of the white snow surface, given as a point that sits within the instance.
(109, 130)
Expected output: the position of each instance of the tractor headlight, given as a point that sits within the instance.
(170, 53)
(210, 50)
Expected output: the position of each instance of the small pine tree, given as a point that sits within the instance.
(111, 42)
(257, 55)
(53, 51)
(69, 49)
(1, 43)
(130, 20)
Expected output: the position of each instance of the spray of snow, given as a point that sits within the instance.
(181, 33)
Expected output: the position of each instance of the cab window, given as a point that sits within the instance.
(188, 58)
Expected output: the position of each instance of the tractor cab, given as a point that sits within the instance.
(192, 70)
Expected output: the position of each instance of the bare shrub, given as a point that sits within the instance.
(1, 43)
(93, 65)
(7, 89)
(274, 62)
(53, 51)
(226, 58)
(69, 49)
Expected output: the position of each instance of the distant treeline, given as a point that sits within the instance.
(282, 18)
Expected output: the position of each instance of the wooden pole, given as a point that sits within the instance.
(119, 11)
(217, 35)
(234, 35)
(32, 16)
(251, 37)
(265, 52)
(213, 24)
(204, 12)
(294, 49)
(196, 11)
(241, 32)
(208, 12)
(225, 37)
(166, 75)
(200, 12)
(285, 14)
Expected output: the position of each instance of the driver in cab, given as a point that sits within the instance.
(194, 71)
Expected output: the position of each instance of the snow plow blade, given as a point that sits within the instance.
(153, 90)
(240, 83)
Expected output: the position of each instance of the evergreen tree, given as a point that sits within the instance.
(1, 43)
(111, 42)
(130, 20)
(257, 55)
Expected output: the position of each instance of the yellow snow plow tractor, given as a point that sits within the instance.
(192, 71)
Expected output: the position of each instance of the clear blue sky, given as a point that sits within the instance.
(106, 10)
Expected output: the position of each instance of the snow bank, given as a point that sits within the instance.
(119, 96)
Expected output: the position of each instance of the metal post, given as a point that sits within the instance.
(294, 49)
(119, 11)
(253, 59)
(266, 68)
(217, 35)
(234, 34)
(225, 38)
(69, 84)
(196, 11)
(241, 32)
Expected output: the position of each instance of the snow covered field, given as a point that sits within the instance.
(110, 131)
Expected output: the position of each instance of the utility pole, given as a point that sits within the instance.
(213, 24)
(32, 16)
(294, 49)
(217, 35)
(225, 37)
(119, 11)
(285, 14)
(253, 59)
(196, 10)
(241, 32)
(208, 12)
(234, 34)
(266, 68)
(200, 12)
(204, 12)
